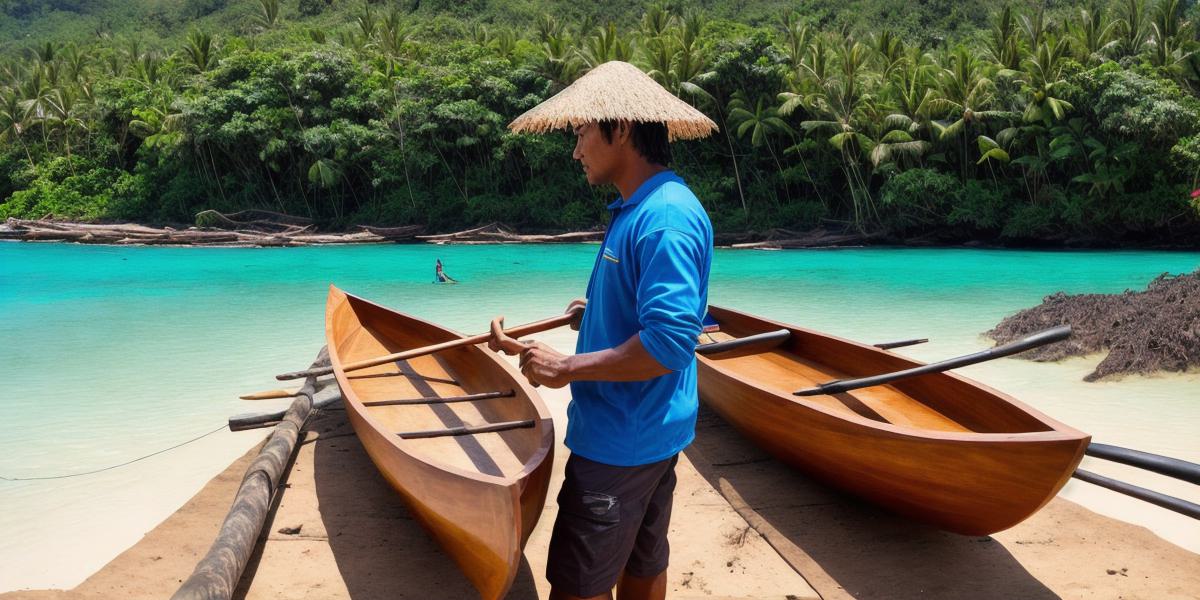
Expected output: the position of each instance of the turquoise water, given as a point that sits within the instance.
(110, 353)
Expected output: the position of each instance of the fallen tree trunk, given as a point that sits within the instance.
(129, 234)
(278, 223)
(216, 575)
(498, 233)
(394, 233)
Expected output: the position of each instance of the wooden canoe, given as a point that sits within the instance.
(478, 495)
(938, 448)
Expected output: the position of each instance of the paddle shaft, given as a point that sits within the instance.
(518, 331)
(1041, 338)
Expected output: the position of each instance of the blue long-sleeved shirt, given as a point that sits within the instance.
(650, 279)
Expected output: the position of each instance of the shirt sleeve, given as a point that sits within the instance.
(669, 296)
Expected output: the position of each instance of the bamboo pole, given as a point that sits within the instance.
(216, 575)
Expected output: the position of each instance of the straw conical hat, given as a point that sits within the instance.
(616, 91)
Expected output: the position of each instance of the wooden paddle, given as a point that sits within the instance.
(1041, 338)
(270, 394)
(536, 327)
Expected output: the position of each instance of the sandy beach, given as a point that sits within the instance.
(745, 526)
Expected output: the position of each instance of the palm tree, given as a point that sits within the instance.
(199, 51)
(605, 45)
(67, 113)
(559, 61)
(160, 127)
(890, 49)
(898, 145)
(796, 40)
(656, 20)
(1043, 80)
(1094, 35)
(147, 68)
(479, 33)
(1035, 27)
(1133, 27)
(35, 105)
(366, 21)
(505, 43)
(760, 123)
(77, 63)
(548, 27)
(965, 91)
(1003, 44)
(840, 98)
(12, 121)
(991, 152)
(267, 16)
(392, 35)
(1169, 34)
(913, 90)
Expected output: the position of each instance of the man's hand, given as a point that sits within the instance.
(544, 365)
(502, 342)
(580, 303)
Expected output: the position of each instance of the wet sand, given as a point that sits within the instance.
(745, 526)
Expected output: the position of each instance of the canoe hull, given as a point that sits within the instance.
(965, 482)
(481, 521)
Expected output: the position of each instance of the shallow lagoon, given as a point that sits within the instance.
(112, 353)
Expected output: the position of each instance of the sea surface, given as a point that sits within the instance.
(108, 354)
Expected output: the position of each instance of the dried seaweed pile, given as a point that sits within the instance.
(1144, 332)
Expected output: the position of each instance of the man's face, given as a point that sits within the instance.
(597, 156)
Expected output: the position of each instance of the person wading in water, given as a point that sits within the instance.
(440, 276)
(633, 374)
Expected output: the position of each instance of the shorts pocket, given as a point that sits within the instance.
(591, 532)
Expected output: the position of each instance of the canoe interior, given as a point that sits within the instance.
(369, 331)
(934, 403)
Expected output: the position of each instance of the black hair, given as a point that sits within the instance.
(649, 139)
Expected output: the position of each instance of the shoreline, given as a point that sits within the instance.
(739, 531)
(297, 235)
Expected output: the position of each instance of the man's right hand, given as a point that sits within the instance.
(580, 303)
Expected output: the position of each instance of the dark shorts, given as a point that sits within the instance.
(610, 519)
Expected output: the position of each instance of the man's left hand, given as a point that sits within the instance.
(544, 365)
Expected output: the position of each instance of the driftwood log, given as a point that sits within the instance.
(785, 239)
(261, 228)
(265, 222)
(498, 233)
(216, 575)
(405, 232)
(131, 234)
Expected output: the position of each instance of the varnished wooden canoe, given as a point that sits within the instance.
(478, 495)
(938, 448)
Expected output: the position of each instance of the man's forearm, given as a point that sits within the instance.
(628, 362)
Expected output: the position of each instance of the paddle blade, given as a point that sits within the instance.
(270, 394)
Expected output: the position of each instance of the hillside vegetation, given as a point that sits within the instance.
(943, 123)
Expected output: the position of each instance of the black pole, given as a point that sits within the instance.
(1182, 507)
(1042, 338)
(901, 344)
(758, 341)
(1163, 465)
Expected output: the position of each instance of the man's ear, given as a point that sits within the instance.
(625, 131)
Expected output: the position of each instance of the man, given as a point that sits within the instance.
(633, 377)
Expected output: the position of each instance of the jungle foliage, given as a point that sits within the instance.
(1034, 124)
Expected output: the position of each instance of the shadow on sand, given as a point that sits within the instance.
(381, 552)
(863, 551)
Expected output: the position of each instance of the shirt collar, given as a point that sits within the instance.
(648, 186)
